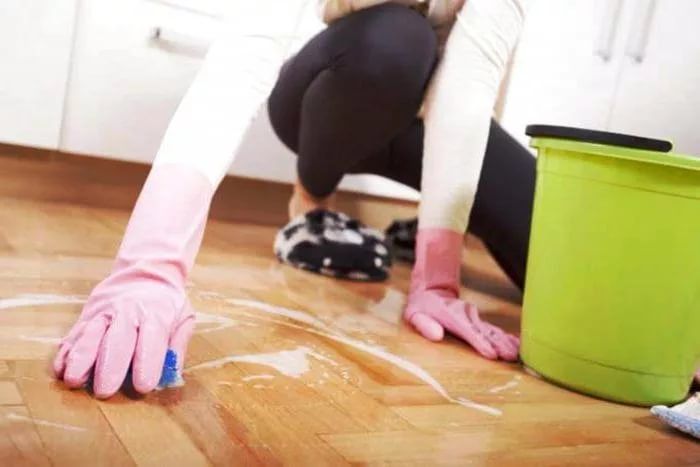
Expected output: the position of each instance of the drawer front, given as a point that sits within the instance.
(35, 48)
(132, 63)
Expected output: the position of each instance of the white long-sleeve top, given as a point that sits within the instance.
(240, 69)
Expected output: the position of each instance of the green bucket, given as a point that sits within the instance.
(613, 277)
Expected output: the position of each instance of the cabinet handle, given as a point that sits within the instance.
(189, 43)
(185, 6)
(608, 29)
(641, 27)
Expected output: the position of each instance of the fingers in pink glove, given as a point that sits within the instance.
(434, 315)
(496, 336)
(180, 340)
(82, 355)
(151, 346)
(59, 361)
(427, 327)
(115, 356)
(460, 325)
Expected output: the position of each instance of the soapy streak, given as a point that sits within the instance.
(22, 418)
(292, 363)
(41, 339)
(220, 322)
(510, 384)
(256, 377)
(320, 328)
(25, 300)
(38, 299)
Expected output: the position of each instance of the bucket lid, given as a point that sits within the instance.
(599, 137)
(615, 145)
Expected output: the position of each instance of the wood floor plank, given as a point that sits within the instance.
(20, 444)
(70, 424)
(150, 435)
(9, 394)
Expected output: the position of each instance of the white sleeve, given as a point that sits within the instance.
(331, 10)
(236, 77)
(459, 106)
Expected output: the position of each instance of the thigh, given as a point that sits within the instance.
(387, 47)
(502, 210)
(401, 160)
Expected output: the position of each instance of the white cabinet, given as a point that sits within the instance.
(35, 45)
(563, 72)
(629, 66)
(133, 62)
(659, 88)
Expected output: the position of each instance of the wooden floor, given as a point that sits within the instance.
(285, 368)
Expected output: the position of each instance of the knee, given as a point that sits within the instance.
(394, 48)
(281, 116)
(280, 124)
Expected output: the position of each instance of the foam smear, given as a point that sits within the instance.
(320, 328)
(40, 339)
(22, 418)
(390, 306)
(257, 377)
(39, 299)
(213, 322)
(293, 363)
(504, 387)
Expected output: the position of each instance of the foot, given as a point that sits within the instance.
(332, 244)
(303, 202)
(401, 239)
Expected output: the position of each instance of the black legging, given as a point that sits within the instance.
(347, 104)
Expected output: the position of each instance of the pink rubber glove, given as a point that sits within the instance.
(141, 309)
(434, 305)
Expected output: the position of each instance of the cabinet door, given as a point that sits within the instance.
(35, 45)
(133, 62)
(658, 91)
(567, 62)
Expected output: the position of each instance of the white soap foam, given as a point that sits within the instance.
(40, 339)
(513, 383)
(62, 426)
(213, 322)
(39, 299)
(257, 377)
(378, 352)
(390, 307)
(293, 363)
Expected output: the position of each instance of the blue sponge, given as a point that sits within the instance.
(171, 376)
(684, 417)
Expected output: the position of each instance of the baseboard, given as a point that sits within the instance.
(42, 175)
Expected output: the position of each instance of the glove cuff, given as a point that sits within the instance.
(438, 260)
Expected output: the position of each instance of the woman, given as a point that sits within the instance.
(141, 309)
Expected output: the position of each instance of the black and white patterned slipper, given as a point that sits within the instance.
(332, 244)
(401, 239)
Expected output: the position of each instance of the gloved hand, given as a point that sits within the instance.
(434, 305)
(141, 309)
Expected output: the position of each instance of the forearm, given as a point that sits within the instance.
(236, 77)
(459, 107)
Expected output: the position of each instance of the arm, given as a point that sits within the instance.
(459, 107)
(458, 111)
(141, 309)
(236, 77)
